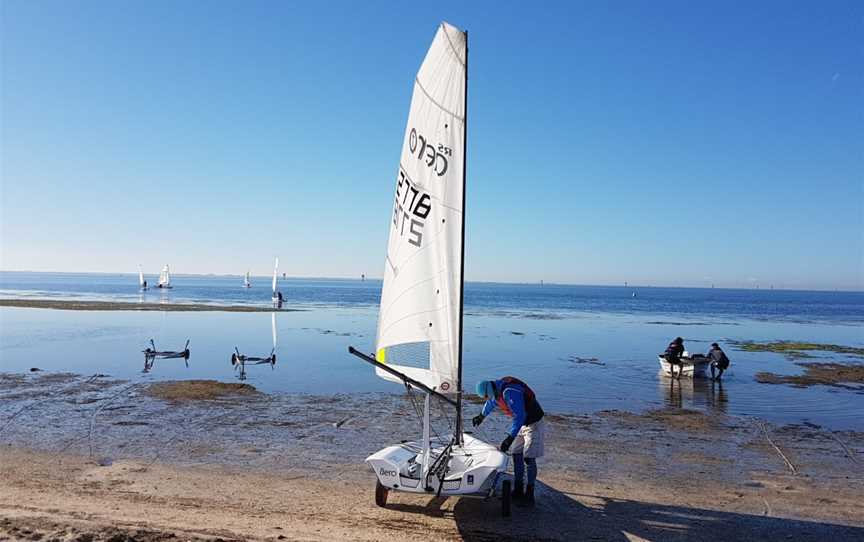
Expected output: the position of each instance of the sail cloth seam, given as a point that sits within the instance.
(407, 316)
(410, 288)
(452, 47)
(434, 101)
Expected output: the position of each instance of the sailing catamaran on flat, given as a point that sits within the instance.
(419, 342)
(165, 278)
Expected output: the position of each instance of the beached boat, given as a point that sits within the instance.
(693, 365)
(246, 282)
(165, 278)
(419, 340)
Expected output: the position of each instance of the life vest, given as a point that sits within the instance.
(533, 411)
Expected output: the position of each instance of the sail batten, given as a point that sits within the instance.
(422, 291)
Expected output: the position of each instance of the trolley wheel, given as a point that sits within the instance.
(506, 498)
(381, 494)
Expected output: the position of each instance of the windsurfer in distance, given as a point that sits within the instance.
(673, 355)
(525, 437)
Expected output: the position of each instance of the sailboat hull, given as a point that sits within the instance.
(476, 469)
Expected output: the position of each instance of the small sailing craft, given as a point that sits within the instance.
(240, 361)
(419, 340)
(276, 296)
(151, 353)
(693, 365)
(246, 282)
(165, 278)
(142, 283)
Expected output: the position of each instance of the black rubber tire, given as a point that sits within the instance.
(506, 498)
(381, 494)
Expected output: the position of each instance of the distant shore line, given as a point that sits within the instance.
(69, 305)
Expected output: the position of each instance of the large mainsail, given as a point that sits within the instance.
(140, 278)
(422, 293)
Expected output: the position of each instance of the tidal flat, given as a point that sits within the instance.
(100, 458)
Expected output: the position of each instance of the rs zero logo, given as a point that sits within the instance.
(434, 158)
(384, 472)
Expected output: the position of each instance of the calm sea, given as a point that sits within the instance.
(584, 348)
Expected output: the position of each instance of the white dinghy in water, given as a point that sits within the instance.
(165, 278)
(419, 342)
(693, 366)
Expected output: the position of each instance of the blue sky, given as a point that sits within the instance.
(662, 143)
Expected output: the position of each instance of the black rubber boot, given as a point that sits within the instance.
(528, 500)
(518, 492)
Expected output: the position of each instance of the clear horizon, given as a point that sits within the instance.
(679, 147)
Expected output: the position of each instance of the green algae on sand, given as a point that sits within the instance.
(838, 375)
(198, 390)
(797, 349)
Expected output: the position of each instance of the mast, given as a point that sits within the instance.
(462, 263)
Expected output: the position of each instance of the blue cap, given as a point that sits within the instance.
(485, 388)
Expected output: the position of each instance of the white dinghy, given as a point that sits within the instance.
(165, 278)
(142, 284)
(246, 282)
(419, 341)
(692, 366)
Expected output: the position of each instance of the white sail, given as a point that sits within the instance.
(275, 271)
(165, 277)
(140, 278)
(246, 282)
(421, 296)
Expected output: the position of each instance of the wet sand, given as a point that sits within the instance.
(91, 458)
(133, 306)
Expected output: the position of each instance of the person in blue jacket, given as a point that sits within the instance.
(525, 437)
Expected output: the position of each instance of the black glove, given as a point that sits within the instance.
(477, 420)
(505, 444)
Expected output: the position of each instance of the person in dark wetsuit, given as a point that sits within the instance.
(526, 434)
(673, 356)
(718, 359)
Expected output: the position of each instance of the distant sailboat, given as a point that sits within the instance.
(246, 283)
(142, 284)
(165, 278)
(276, 296)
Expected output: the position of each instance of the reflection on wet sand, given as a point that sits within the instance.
(701, 393)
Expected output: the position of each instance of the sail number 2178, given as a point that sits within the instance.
(411, 209)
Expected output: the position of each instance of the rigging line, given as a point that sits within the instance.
(435, 102)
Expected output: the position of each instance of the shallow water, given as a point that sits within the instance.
(578, 362)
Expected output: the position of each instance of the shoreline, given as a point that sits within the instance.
(70, 305)
(115, 460)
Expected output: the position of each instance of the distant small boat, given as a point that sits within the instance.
(165, 278)
(634, 294)
(276, 296)
(246, 283)
(142, 284)
(693, 366)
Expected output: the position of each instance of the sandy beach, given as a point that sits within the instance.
(98, 459)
